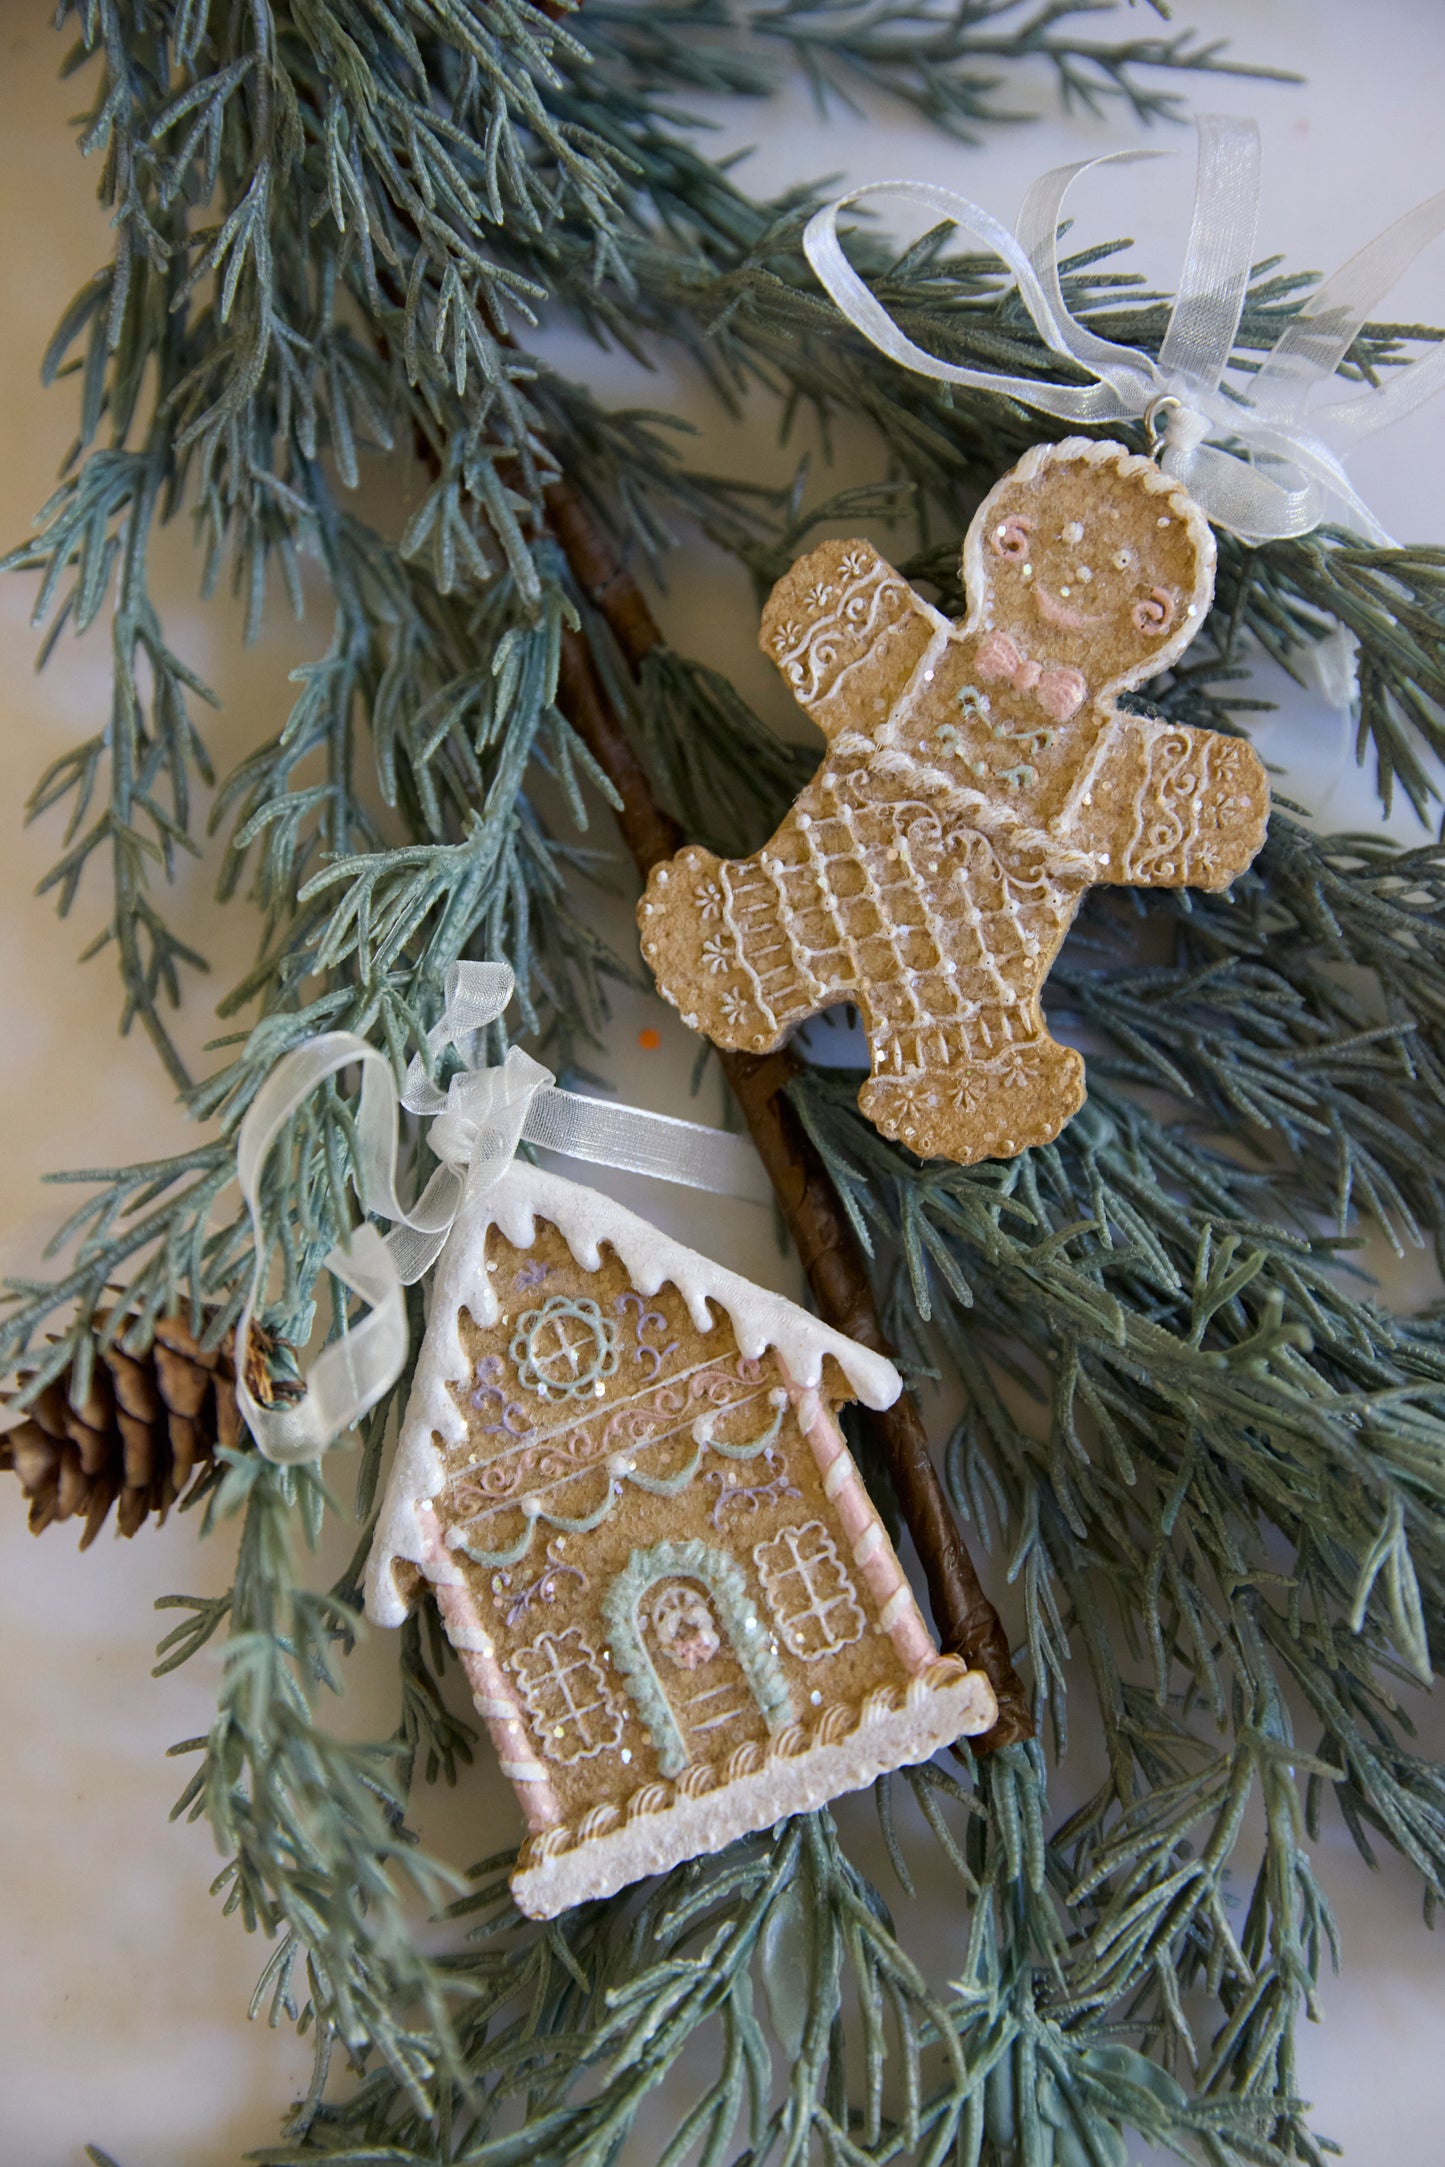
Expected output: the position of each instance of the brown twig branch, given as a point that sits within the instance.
(832, 1259)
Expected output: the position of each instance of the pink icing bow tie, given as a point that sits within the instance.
(1059, 692)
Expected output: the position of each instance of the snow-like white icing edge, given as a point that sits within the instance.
(664, 1825)
(585, 1219)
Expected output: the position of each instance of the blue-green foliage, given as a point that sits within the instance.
(1208, 1458)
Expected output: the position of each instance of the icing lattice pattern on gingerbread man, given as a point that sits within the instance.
(980, 777)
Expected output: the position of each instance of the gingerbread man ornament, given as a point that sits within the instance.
(979, 778)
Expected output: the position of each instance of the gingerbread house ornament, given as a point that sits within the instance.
(622, 1476)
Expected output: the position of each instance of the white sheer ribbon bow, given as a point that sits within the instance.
(1284, 472)
(479, 1121)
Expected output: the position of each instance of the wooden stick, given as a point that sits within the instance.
(967, 1622)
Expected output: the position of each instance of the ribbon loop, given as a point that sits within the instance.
(478, 1122)
(350, 1375)
(1256, 460)
(1218, 256)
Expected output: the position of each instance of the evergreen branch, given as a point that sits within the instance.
(99, 527)
(946, 59)
(1211, 1456)
(318, 1857)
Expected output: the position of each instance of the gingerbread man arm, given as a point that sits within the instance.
(849, 635)
(745, 948)
(1159, 805)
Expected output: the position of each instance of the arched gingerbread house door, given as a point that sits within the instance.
(695, 1653)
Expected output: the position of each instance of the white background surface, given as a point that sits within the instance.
(122, 1991)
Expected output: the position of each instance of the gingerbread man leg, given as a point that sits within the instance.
(963, 1064)
(967, 1107)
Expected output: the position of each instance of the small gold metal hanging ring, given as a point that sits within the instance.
(1165, 401)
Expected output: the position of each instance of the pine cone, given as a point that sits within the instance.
(151, 1423)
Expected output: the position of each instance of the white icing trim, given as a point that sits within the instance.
(896, 1607)
(547, 1882)
(585, 1219)
(868, 1543)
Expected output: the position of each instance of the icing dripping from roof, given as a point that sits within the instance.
(586, 1220)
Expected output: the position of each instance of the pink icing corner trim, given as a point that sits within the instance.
(492, 1691)
(858, 1517)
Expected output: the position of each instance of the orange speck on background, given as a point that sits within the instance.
(649, 1040)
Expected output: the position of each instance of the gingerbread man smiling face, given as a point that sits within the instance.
(980, 778)
(1078, 587)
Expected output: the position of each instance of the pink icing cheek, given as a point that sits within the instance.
(1155, 614)
(997, 656)
(1061, 694)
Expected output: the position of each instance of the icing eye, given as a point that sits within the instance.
(1010, 538)
(1123, 560)
(1073, 532)
(1156, 613)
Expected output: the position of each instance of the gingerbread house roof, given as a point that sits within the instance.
(586, 1220)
